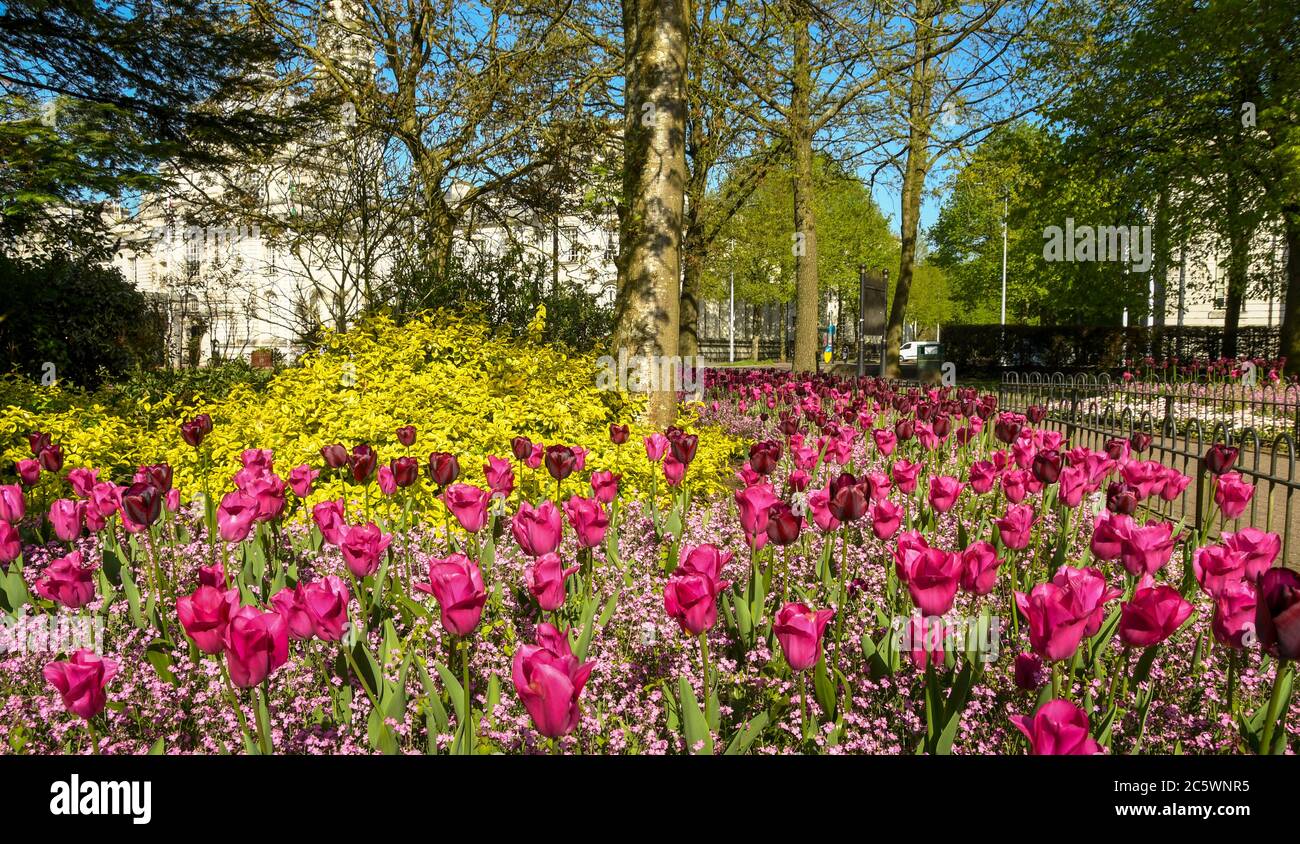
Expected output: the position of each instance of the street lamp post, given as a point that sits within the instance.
(862, 319)
(731, 320)
(1004, 258)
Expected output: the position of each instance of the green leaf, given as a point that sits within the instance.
(158, 748)
(824, 688)
(744, 739)
(694, 726)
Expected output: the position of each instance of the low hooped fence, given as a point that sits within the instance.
(1184, 421)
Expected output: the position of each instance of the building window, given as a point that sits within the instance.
(575, 246)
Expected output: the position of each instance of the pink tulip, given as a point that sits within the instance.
(1058, 728)
(1016, 527)
(1014, 485)
(886, 441)
(1086, 591)
(328, 516)
(656, 445)
(363, 547)
(1146, 549)
(301, 480)
(1152, 615)
(12, 505)
(1258, 550)
(67, 517)
(979, 568)
(235, 516)
(11, 545)
(1174, 484)
(537, 529)
(944, 491)
(1110, 535)
(80, 682)
(545, 579)
(932, 580)
(457, 585)
(604, 485)
(82, 481)
(469, 504)
(549, 680)
(925, 640)
(674, 471)
(1233, 494)
(1234, 614)
(500, 476)
(819, 505)
(1056, 623)
(267, 490)
(257, 643)
(1074, 483)
(588, 520)
(705, 560)
(886, 516)
(534, 458)
(326, 603)
(753, 504)
(29, 471)
(1216, 568)
(104, 499)
(66, 582)
(288, 602)
(206, 614)
(981, 476)
(387, 480)
(799, 629)
(905, 475)
(692, 600)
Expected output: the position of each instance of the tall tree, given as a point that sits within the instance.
(656, 36)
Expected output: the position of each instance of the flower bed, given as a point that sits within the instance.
(891, 571)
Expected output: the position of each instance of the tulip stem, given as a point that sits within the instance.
(1274, 711)
(233, 697)
(1232, 681)
(803, 706)
(94, 743)
(704, 659)
(468, 746)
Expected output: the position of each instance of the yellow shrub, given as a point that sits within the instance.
(466, 391)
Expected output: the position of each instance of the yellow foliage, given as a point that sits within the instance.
(466, 391)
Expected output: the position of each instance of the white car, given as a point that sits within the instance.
(908, 352)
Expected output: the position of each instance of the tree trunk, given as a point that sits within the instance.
(654, 181)
(915, 166)
(688, 340)
(1160, 260)
(807, 300)
(1289, 341)
(1240, 230)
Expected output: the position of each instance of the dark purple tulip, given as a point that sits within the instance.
(335, 456)
(1140, 441)
(363, 461)
(522, 447)
(406, 435)
(142, 503)
(51, 458)
(1047, 466)
(38, 440)
(1220, 458)
(560, 461)
(1121, 498)
(444, 468)
(904, 429)
(405, 470)
(1035, 413)
(782, 524)
(683, 447)
(763, 456)
(849, 497)
(1277, 613)
(160, 475)
(617, 434)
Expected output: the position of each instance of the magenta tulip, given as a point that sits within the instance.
(65, 582)
(235, 516)
(549, 680)
(469, 504)
(545, 579)
(80, 682)
(206, 614)
(457, 585)
(1152, 615)
(588, 520)
(799, 629)
(363, 548)
(257, 643)
(326, 604)
(537, 529)
(1058, 728)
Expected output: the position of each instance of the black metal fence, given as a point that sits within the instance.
(997, 348)
(1184, 421)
